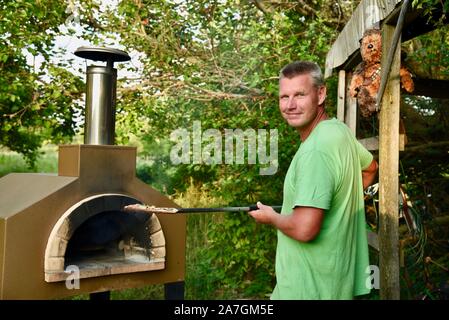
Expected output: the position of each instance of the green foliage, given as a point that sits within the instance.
(428, 54)
(424, 171)
(429, 6)
(244, 253)
(201, 282)
(36, 102)
(153, 292)
(15, 162)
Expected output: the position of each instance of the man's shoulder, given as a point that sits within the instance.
(332, 125)
(332, 133)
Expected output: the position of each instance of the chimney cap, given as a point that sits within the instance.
(102, 54)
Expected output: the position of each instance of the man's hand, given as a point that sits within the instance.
(264, 215)
(303, 224)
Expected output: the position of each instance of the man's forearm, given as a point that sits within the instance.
(303, 225)
(368, 179)
(369, 174)
(285, 224)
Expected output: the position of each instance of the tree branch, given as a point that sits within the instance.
(426, 146)
(259, 4)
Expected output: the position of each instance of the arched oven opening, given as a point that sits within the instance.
(99, 239)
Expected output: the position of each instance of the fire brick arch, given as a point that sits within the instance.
(67, 224)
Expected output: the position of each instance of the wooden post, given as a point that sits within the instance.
(341, 95)
(351, 110)
(388, 175)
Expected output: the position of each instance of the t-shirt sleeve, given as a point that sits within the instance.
(315, 181)
(365, 157)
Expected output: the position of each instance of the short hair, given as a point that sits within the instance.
(298, 68)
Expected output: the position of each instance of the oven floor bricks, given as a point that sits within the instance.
(32, 206)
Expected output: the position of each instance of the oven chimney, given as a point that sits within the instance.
(101, 84)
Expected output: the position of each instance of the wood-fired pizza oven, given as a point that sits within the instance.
(53, 227)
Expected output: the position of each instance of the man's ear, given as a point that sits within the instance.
(321, 94)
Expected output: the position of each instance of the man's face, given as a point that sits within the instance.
(299, 100)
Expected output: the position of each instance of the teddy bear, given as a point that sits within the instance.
(365, 82)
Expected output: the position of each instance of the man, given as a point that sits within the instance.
(322, 250)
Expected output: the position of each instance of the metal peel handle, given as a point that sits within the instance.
(152, 209)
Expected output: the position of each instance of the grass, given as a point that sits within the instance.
(14, 162)
(154, 292)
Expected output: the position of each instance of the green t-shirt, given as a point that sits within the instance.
(326, 173)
